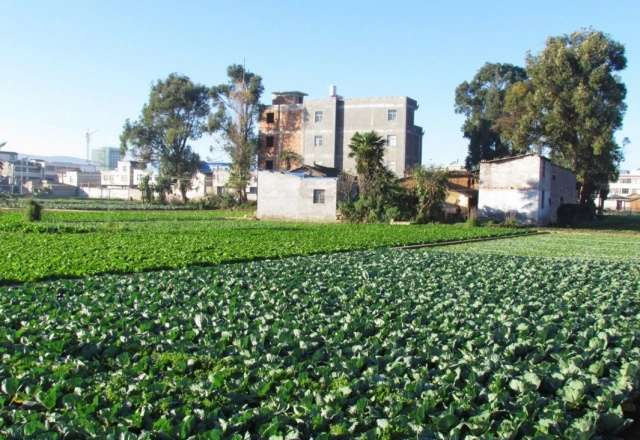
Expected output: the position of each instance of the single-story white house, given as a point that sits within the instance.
(528, 187)
(296, 196)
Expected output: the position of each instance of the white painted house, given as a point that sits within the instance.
(296, 196)
(528, 187)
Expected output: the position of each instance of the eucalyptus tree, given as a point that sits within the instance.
(573, 106)
(235, 116)
(481, 102)
(2, 144)
(175, 114)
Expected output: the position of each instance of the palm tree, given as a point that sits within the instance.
(288, 157)
(368, 150)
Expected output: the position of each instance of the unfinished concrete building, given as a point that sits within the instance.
(318, 131)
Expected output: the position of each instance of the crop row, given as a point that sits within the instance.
(373, 344)
(55, 249)
(585, 245)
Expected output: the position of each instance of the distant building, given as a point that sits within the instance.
(624, 193)
(128, 174)
(8, 156)
(213, 178)
(80, 178)
(319, 130)
(105, 158)
(528, 187)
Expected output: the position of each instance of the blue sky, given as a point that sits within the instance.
(68, 66)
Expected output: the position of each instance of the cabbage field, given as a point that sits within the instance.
(370, 344)
(79, 244)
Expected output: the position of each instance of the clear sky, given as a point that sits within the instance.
(69, 66)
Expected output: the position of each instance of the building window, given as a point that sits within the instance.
(391, 140)
(269, 141)
(317, 141)
(318, 196)
(319, 116)
(625, 190)
(270, 118)
(392, 114)
(625, 180)
(269, 165)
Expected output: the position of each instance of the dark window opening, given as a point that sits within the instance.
(318, 196)
(269, 165)
(270, 118)
(269, 141)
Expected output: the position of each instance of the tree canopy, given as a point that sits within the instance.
(575, 105)
(174, 115)
(481, 102)
(236, 113)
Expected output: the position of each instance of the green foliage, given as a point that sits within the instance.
(482, 101)
(146, 189)
(33, 211)
(289, 158)
(174, 115)
(373, 344)
(572, 106)
(377, 188)
(572, 215)
(431, 190)
(181, 238)
(236, 111)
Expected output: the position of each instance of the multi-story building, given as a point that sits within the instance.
(105, 158)
(624, 194)
(128, 173)
(319, 130)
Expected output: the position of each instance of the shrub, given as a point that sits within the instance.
(472, 218)
(33, 211)
(511, 219)
(571, 214)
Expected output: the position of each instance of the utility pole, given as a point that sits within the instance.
(88, 136)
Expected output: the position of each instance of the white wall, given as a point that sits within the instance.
(287, 196)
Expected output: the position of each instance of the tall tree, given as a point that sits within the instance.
(237, 111)
(481, 102)
(2, 144)
(574, 106)
(175, 114)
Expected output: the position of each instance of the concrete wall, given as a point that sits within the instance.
(287, 196)
(110, 193)
(529, 187)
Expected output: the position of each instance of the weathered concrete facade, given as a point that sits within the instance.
(528, 187)
(294, 196)
(320, 130)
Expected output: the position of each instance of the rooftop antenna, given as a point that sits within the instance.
(88, 136)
